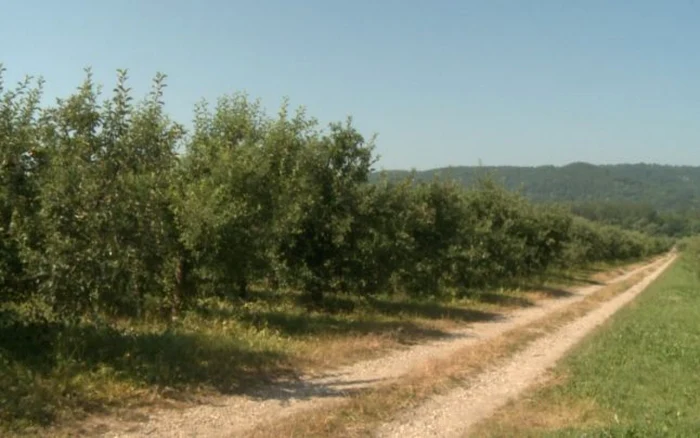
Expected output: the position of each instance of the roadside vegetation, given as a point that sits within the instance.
(137, 259)
(637, 376)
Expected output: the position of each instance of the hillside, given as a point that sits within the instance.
(662, 187)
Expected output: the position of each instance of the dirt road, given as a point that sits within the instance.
(234, 416)
(452, 414)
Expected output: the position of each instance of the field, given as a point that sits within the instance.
(637, 376)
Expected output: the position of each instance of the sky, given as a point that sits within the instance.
(441, 83)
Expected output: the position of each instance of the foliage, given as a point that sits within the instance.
(104, 213)
(21, 161)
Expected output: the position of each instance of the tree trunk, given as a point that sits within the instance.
(181, 290)
(243, 287)
(316, 293)
(273, 281)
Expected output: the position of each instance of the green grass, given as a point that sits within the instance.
(52, 372)
(639, 376)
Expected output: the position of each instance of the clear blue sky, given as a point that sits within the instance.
(441, 82)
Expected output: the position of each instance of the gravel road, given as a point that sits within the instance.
(235, 415)
(452, 414)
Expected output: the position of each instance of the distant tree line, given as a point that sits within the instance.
(672, 191)
(641, 217)
(110, 206)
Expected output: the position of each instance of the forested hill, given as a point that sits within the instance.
(660, 186)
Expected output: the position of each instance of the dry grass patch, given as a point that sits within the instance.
(526, 418)
(314, 356)
(361, 412)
